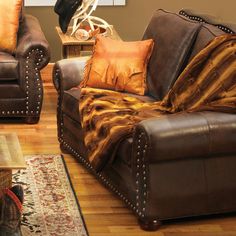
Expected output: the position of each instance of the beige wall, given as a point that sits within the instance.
(130, 20)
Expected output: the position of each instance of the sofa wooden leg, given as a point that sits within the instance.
(149, 225)
(32, 119)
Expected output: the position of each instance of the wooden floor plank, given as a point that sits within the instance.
(105, 215)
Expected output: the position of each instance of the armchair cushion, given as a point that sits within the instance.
(8, 67)
(118, 65)
(10, 11)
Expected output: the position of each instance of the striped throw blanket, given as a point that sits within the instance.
(207, 83)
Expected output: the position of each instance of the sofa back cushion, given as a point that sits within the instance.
(205, 35)
(174, 36)
(211, 28)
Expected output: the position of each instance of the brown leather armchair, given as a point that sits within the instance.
(174, 166)
(21, 90)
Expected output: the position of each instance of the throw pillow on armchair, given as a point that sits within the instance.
(10, 11)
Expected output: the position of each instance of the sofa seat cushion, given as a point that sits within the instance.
(70, 106)
(70, 103)
(8, 67)
(171, 51)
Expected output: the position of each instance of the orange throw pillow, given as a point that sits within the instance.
(118, 65)
(10, 11)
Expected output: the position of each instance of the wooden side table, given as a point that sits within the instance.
(72, 47)
(11, 157)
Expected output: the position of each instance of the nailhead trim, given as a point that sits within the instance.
(199, 19)
(38, 84)
(56, 78)
(141, 175)
(99, 175)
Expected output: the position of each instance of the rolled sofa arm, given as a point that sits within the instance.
(31, 43)
(185, 135)
(68, 73)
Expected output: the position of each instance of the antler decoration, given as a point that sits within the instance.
(83, 14)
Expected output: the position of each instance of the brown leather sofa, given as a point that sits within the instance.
(21, 90)
(174, 166)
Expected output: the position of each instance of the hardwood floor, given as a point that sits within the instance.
(104, 214)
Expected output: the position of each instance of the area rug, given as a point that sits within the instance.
(50, 206)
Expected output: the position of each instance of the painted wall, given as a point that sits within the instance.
(130, 21)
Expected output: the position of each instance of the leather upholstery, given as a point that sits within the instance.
(11, 91)
(21, 90)
(207, 133)
(205, 35)
(175, 166)
(172, 49)
(8, 67)
(32, 43)
(191, 187)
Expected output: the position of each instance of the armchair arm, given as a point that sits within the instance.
(68, 73)
(186, 135)
(31, 43)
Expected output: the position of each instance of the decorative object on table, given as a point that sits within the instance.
(50, 205)
(72, 47)
(85, 26)
(66, 9)
(84, 19)
(11, 200)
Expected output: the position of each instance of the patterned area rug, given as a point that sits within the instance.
(50, 206)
